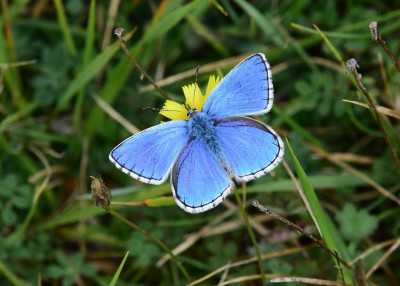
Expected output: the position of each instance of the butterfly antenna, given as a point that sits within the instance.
(162, 109)
(151, 108)
(195, 86)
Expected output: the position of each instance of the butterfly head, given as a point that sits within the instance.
(190, 111)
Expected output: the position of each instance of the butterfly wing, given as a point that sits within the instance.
(251, 147)
(246, 90)
(198, 182)
(148, 156)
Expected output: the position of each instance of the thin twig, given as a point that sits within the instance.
(352, 67)
(118, 32)
(280, 253)
(376, 37)
(300, 230)
(17, 64)
(340, 266)
(252, 238)
(305, 280)
(360, 273)
(383, 258)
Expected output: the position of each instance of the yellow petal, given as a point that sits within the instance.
(212, 83)
(193, 95)
(174, 110)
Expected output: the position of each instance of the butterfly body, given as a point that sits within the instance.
(202, 128)
(214, 146)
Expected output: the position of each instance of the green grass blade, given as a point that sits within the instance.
(87, 54)
(168, 21)
(329, 233)
(208, 35)
(118, 76)
(118, 272)
(62, 18)
(26, 111)
(86, 75)
(335, 52)
(8, 55)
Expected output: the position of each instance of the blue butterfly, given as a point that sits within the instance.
(214, 146)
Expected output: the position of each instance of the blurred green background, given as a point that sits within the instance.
(64, 78)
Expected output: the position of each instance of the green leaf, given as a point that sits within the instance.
(21, 202)
(8, 185)
(356, 224)
(8, 216)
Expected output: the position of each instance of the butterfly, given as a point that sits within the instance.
(214, 145)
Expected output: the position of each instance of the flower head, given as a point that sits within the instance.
(194, 100)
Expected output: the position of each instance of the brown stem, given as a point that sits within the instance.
(352, 67)
(118, 32)
(376, 36)
(300, 230)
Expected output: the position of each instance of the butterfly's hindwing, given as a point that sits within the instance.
(251, 147)
(198, 182)
(148, 156)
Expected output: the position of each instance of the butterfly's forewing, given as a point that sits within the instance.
(148, 156)
(245, 90)
(198, 182)
(251, 147)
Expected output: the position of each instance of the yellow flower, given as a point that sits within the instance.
(194, 99)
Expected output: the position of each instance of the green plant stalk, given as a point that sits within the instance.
(153, 239)
(329, 233)
(335, 52)
(69, 40)
(252, 237)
